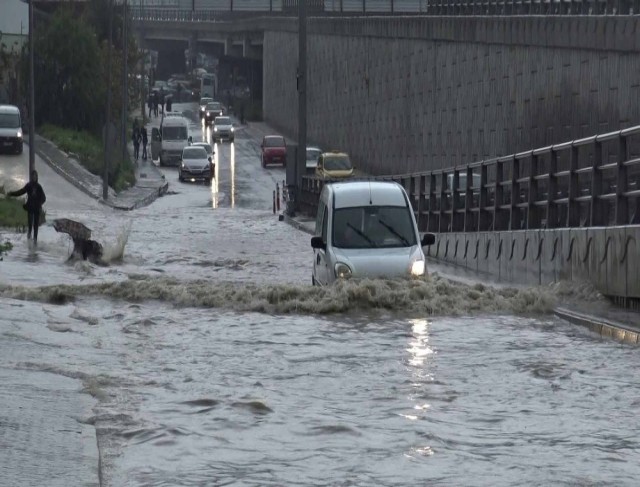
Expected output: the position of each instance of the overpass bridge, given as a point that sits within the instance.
(449, 101)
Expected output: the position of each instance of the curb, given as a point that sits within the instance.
(63, 173)
(604, 328)
(296, 224)
(144, 201)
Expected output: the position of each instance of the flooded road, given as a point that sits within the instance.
(204, 357)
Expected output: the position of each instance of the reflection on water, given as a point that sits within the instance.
(419, 346)
(232, 168)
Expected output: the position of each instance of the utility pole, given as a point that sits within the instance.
(302, 91)
(32, 95)
(107, 123)
(142, 65)
(125, 79)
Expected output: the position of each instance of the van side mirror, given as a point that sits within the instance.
(317, 243)
(428, 239)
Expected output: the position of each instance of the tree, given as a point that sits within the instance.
(69, 84)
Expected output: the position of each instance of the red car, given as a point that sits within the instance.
(274, 150)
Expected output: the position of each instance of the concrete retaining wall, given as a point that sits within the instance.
(410, 94)
(607, 257)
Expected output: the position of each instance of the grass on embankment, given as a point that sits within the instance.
(89, 149)
(12, 215)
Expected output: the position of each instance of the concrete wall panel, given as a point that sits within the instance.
(631, 261)
(616, 273)
(404, 95)
(578, 252)
(543, 256)
(596, 261)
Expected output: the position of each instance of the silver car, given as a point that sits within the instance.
(223, 129)
(366, 229)
(207, 146)
(196, 165)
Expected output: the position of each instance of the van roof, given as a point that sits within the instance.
(175, 121)
(364, 193)
(9, 109)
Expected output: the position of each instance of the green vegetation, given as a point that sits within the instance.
(12, 215)
(71, 86)
(89, 149)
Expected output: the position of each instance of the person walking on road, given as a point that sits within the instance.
(35, 199)
(145, 140)
(150, 104)
(169, 101)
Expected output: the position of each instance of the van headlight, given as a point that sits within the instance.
(232, 129)
(19, 134)
(343, 271)
(215, 129)
(417, 268)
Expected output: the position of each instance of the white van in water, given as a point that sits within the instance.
(168, 141)
(366, 229)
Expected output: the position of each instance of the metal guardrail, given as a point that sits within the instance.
(590, 182)
(219, 10)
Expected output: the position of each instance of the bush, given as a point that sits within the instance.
(89, 150)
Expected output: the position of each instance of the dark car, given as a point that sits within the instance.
(10, 129)
(204, 101)
(212, 110)
(274, 150)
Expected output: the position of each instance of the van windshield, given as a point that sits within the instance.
(174, 133)
(9, 121)
(369, 227)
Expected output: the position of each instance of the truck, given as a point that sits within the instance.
(208, 85)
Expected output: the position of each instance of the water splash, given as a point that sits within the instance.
(114, 251)
(434, 296)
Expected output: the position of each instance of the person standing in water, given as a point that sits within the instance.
(35, 199)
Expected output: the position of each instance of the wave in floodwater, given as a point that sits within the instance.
(435, 296)
(114, 251)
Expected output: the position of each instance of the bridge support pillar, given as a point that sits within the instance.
(192, 52)
(231, 48)
(250, 50)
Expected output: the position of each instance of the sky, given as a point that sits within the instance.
(14, 16)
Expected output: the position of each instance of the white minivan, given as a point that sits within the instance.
(366, 229)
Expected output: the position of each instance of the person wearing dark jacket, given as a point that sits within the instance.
(33, 206)
(145, 141)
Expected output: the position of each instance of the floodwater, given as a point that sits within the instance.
(212, 361)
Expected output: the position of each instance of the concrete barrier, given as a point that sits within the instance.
(608, 257)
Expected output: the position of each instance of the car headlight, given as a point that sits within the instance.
(232, 129)
(208, 114)
(417, 268)
(343, 271)
(215, 129)
(19, 134)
